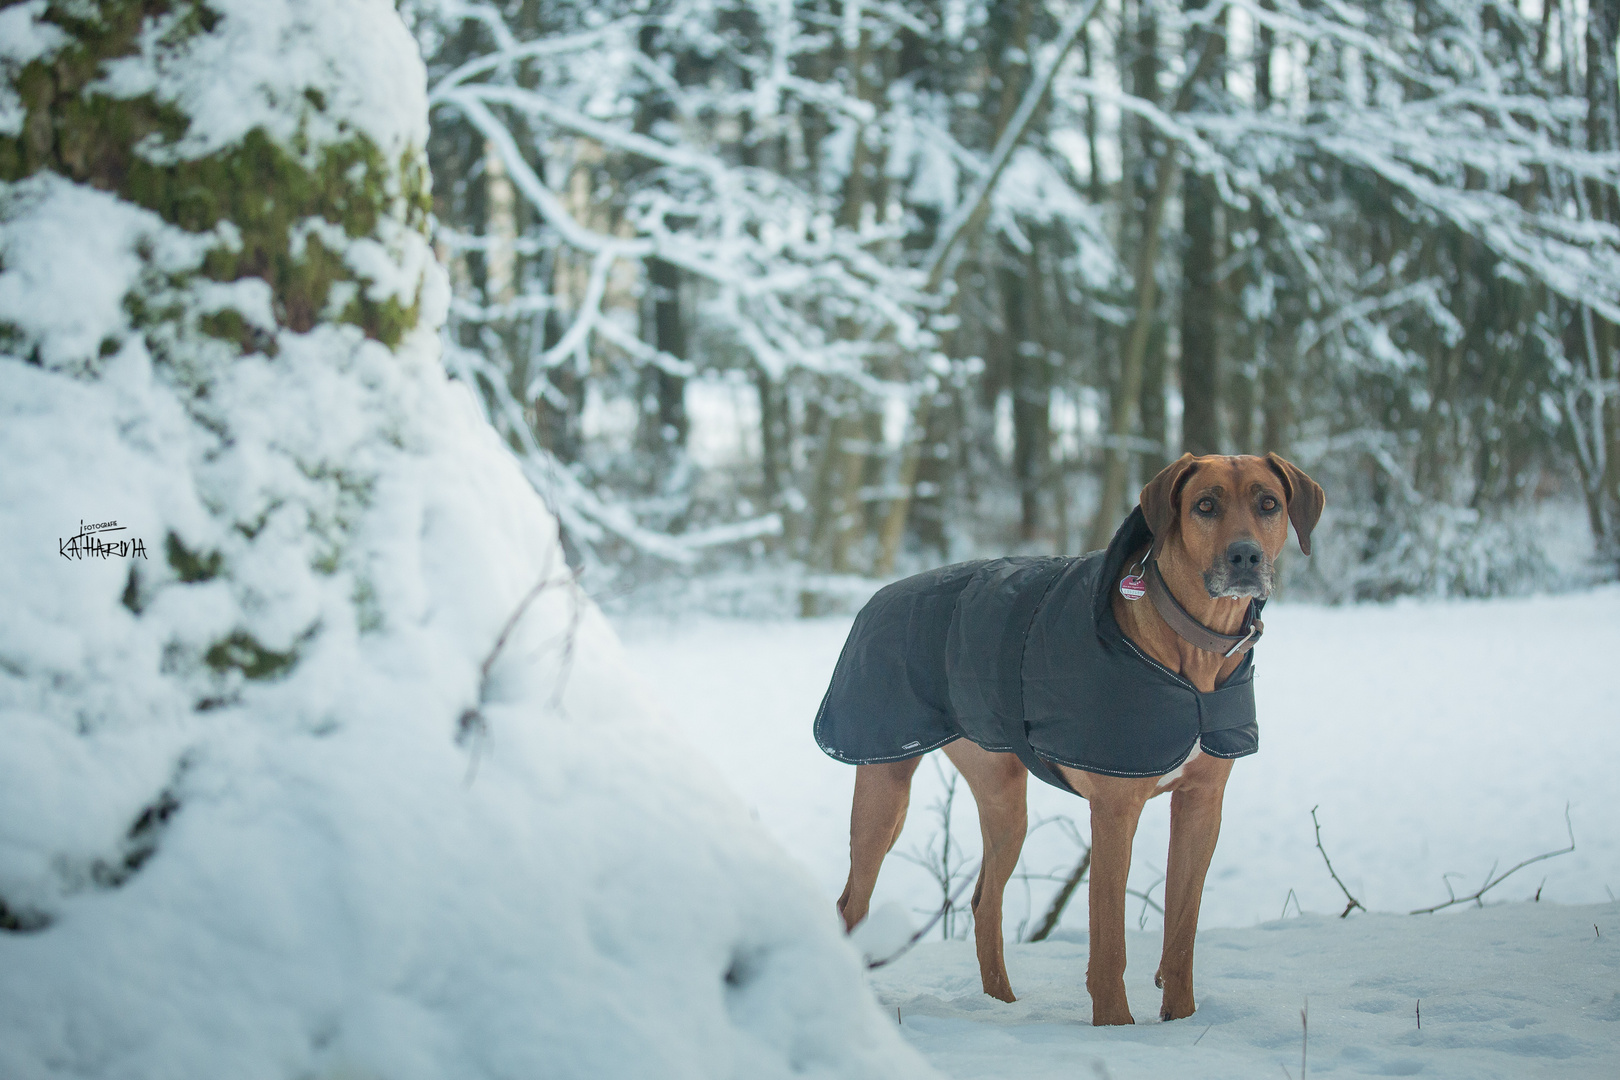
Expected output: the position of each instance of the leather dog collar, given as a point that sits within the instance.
(1190, 629)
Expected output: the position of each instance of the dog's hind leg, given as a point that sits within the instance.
(878, 813)
(1000, 784)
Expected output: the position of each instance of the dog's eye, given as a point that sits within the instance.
(1205, 506)
(1268, 503)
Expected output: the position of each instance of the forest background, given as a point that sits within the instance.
(775, 297)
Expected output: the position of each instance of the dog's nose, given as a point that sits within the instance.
(1244, 555)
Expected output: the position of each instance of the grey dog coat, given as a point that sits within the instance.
(1024, 655)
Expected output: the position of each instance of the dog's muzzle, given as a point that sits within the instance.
(1243, 570)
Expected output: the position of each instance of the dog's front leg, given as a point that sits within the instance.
(1116, 807)
(1195, 825)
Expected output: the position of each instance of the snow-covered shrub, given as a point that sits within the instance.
(1381, 538)
(272, 803)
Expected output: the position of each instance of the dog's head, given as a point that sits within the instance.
(1229, 517)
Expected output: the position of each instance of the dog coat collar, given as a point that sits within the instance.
(1194, 632)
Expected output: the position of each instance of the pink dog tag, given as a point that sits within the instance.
(1132, 587)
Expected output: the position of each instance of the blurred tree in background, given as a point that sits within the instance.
(799, 292)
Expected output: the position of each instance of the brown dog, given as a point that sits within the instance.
(1218, 524)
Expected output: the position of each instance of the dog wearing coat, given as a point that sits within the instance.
(1118, 676)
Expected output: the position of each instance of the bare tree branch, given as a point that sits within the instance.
(1054, 911)
(970, 213)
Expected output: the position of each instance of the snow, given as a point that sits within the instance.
(62, 239)
(343, 887)
(22, 39)
(262, 59)
(1434, 738)
(431, 849)
(412, 853)
(1513, 991)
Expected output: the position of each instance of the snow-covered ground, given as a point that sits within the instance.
(1513, 991)
(1435, 738)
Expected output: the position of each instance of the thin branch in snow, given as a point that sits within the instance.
(1304, 1035)
(1492, 882)
(1054, 911)
(944, 908)
(472, 726)
(1352, 903)
(1146, 896)
(938, 861)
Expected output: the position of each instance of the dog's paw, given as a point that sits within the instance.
(1177, 1010)
(1110, 1015)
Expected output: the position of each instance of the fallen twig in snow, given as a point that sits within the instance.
(1305, 1033)
(1295, 899)
(938, 864)
(1054, 911)
(1490, 881)
(471, 726)
(1352, 902)
(566, 664)
(1147, 902)
(929, 925)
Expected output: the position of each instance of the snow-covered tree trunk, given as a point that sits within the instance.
(313, 759)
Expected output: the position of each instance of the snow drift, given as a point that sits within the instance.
(272, 801)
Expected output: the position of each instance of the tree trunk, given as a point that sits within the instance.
(1030, 384)
(664, 420)
(1603, 133)
(1275, 336)
(841, 519)
(1154, 404)
(1150, 148)
(1123, 406)
(775, 457)
(1094, 182)
(1151, 181)
(1200, 345)
(1200, 300)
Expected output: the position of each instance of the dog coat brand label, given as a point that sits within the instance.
(911, 745)
(1132, 587)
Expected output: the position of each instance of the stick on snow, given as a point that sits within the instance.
(929, 925)
(1493, 882)
(1353, 903)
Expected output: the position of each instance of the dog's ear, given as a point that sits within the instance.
(1305, 499)
(1163, 493)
